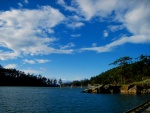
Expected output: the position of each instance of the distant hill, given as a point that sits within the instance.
(128, 70)
(13, 77)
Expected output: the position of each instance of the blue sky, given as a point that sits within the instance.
(72, 39)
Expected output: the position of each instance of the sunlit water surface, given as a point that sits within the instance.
(65, 100)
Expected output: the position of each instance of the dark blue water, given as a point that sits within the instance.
(65, 100)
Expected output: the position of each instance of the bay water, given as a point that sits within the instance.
(65, 100)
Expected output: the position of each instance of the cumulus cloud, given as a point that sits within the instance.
(109, 47)
(75, 35)
(129, 13)
(137, 20)
(8, 55)
(101, 8)
(10, 66)
(69, 45)
(28, 31)
(24, 33)
(75, 20)
(29, 61)
(75, 24)
(133, 15)
(105, 33)
(36, 61)
(114, 28)
(42, 60)
(31, 71)
(63, 4)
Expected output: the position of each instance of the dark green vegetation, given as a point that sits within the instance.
(127, 70)
(13, 77)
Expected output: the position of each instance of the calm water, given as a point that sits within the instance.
(66, 100)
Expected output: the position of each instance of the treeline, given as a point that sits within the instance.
(13, 77)
(128, 70)
(76, 83)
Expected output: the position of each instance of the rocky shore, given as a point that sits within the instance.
(135, 89)
(123, 89)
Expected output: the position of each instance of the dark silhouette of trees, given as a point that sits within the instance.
(54, 82)
(13, 77)
(60, 82)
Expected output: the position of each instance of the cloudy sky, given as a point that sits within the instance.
(72, 39)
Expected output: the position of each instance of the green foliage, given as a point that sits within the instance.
(13, 77)
(127, 71)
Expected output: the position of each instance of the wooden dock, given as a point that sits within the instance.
(143, 108)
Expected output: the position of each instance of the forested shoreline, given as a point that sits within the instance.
(127, 70)
(13, 77)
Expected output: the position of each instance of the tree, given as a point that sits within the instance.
(49, 82)
(55, 82)
(60, 82)
(122, 62)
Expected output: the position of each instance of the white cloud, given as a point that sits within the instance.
(137, 20)
(31, 71)
(10, 66)
(42, 60)
(36, 61)
(24, 33)
(29, 61)
(114, 28)
(105, 33)
(97, 49)
(75, 25)
(109, 47)
(73, 21)
(63, 4)
(8, 55)
(75, 18)
(30, 34)
(101, 8)
(69, 45)
(133, 15)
